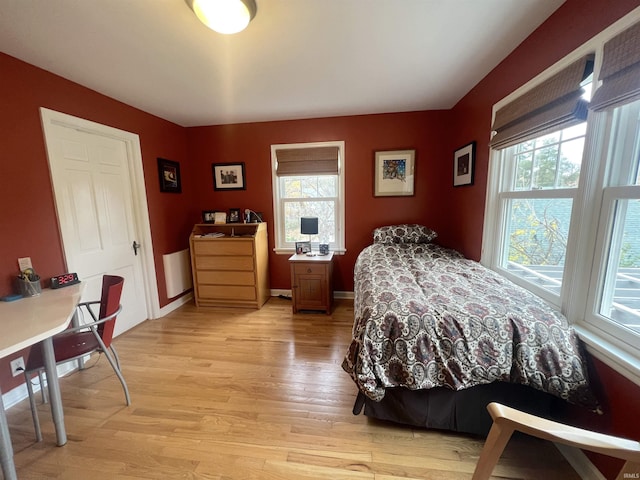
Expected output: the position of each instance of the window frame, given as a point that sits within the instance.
(614, 187)
(283, 247)
(494, 247)
(588, 227)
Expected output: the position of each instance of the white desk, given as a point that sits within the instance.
(26, 322)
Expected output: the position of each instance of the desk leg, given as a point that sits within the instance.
(54, 390)
(6, 450)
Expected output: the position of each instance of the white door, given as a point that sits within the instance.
(94, 200)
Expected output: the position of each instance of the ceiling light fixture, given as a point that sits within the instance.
(224, 16)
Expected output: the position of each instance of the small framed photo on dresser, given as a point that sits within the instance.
(303, 247)
(208, 216)
(234, 215)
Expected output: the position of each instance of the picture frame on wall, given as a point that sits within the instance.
(169, 176)
(463, 165)
(228, 176)
(394, 173)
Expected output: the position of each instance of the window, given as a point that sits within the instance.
(536, 197)
(539, 144)
(563, 201)
(308, 181)
(615, 291)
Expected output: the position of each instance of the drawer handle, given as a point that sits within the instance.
(309, 270)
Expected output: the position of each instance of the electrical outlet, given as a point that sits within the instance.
(17, 366)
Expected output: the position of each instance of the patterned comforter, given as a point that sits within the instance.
(425, 317)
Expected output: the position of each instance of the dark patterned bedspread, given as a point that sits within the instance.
(426, 317)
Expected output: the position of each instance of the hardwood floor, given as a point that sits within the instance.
(221, 393)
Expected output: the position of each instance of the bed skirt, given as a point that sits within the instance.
(462, 411)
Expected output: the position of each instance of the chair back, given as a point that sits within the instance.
(109, 304)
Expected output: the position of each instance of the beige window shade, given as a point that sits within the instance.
(620, 72)
(556, 103)
(307, 161)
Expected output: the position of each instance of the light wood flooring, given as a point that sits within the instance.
(244, 394)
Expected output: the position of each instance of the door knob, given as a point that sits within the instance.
(135, 246)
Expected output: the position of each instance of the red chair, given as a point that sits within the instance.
(77, 342)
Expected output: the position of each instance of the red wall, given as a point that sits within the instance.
(575, 22)
(426, 132)
(28, 225)
(27, 216)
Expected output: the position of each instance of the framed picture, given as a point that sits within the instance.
(394, 173)
(463, 160)
(228, 176)
(220, 217)
(234, 215)
(303, 247)
(169, 175)
(208, 216)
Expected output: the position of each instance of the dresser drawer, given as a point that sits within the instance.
(215, 277)
(309, 268)
(223, 247)
(226, 292)
(212, 262)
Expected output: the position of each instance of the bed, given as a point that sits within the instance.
(437, 336)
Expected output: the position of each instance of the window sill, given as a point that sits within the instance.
(291, 251)
(614, 356)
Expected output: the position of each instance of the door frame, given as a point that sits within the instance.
(142, 223)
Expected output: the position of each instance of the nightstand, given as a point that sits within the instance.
(312, 282)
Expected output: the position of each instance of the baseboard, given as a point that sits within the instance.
(18, 394)
(343, 295)
(287, 293)
(580, 462)
(170, 307)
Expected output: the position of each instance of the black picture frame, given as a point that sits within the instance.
(228, 176)
(463, 165)
(234, 215)
(208, 216)
(169, 176)
(303, 247)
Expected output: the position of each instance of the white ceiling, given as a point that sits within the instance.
(297, 59)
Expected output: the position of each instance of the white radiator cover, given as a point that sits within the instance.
(177, 272)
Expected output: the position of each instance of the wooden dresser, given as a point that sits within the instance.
(312, 282)
(230, 264)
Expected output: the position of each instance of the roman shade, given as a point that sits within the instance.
(554, 104)
(620, 72)
(307, 161)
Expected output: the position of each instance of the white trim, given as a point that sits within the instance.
(340, 207)
(575, 295)
(140, 204)
(287, 293)
(170, 307)
(610, 351)
(19, 393)
(289, 251)
(343, 295)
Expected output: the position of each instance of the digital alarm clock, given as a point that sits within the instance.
(64, 280)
